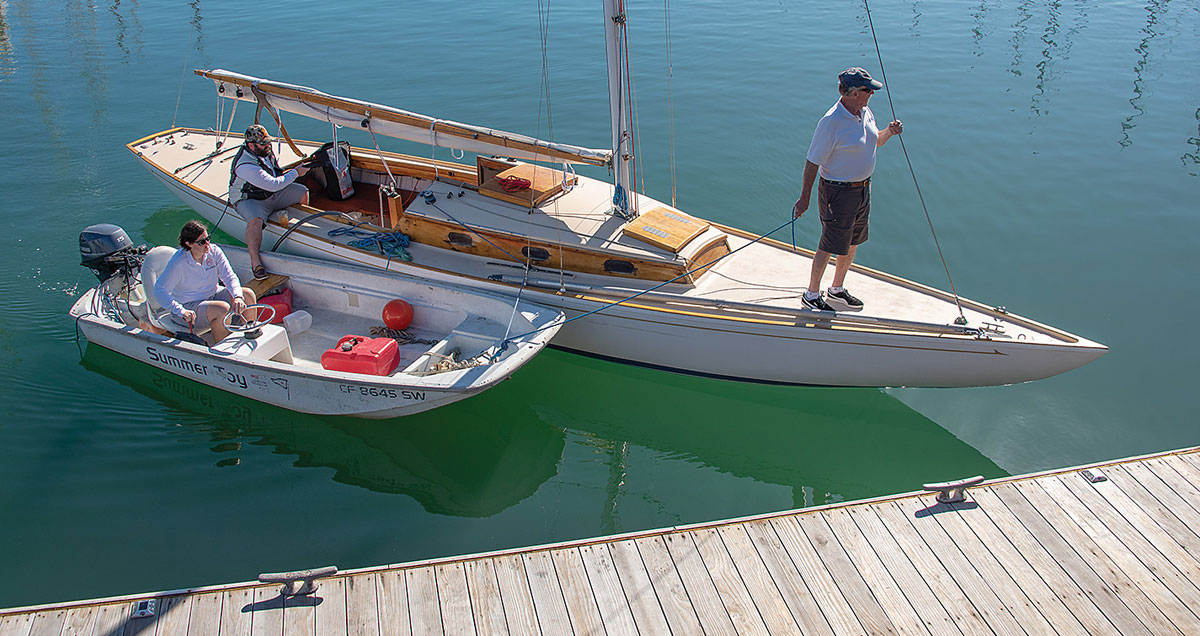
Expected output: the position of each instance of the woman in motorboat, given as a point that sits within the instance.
(188, 285)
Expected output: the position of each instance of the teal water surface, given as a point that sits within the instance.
(1057, 145)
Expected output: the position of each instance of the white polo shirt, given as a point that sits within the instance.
(843, 144)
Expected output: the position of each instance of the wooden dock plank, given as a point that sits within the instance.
(455, 599)
(699, 585)
(391, 592)
(110, 620)
(1161, 501)
(821, 585)
(80, 621)
(16, 624)
(487, 608)
(582, 610)
(205, 613)
(50, 623)
(968, 616)
(728, 582)
(801, 603)
(874, 573)
(765, 594)
(997, 612)
(424, 607)
(300, 615)
(1187, 477)
(519, 613)
(1012, 593)
(266, 615)
(938, 619)
(174, 612)
(866, 607)
(1028, 525)
(1058, 598)
(363, 610)
(1060, 526)
(548, 600)
(606, 585)
(331, 613)
(1127, 547)
(1153, 523)
(235, 612)
(668, 587)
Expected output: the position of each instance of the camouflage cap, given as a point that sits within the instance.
(257, 134)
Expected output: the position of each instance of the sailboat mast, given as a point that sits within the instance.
(622, 144)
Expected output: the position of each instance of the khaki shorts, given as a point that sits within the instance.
(251, 209)
(844, 214)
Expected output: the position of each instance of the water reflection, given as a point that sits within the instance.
(463, 462)
(1018, 37)
(1193, 157)
(38, 84)
(197, 23)
(980, 29)
(124, 39)
(826, 445)
(6, 50)
(81, 29)
(1057, 50)
(1153, 8)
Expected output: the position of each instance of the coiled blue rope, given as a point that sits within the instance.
(390, 244)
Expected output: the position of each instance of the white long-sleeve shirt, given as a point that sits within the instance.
(255, 174)
(184, 280)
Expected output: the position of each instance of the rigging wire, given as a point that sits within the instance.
(670, 102)
(182, 75)
(962, 319)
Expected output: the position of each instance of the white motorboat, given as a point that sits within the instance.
(668, 290)
(460, 342)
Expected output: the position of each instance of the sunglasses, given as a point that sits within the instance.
(201, 241)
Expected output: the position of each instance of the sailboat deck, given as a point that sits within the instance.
(1039, 554)
(762, 274)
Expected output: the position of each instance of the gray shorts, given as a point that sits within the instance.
(201, 306)
(845, 212)
(251, 209)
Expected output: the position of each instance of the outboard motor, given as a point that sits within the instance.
(106, 250)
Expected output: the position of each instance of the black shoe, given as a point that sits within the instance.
(817, 303)
(844, 298)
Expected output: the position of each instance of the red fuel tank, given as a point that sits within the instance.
(358, 354)
(282, 302)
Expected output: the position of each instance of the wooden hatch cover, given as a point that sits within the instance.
(543, 182)
(665, 228)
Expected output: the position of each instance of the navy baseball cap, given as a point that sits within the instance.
(856, 77)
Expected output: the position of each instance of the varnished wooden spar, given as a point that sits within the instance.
(1047, 553)
(544, 151)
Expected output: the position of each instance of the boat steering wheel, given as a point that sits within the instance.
(249, 329)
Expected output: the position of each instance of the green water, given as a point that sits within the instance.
(1057, 145)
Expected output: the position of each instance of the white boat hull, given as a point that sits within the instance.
(258, 369)
(769, 351)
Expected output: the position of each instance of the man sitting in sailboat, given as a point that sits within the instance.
(259, 187)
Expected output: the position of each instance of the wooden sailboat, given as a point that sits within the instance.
(669, 290)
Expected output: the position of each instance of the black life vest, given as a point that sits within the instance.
(249, 190)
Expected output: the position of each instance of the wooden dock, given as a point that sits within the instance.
(1034, 554)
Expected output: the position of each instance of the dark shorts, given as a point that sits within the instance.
(844, 211)
(262, 208)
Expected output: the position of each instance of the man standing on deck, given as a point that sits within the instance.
(258, 188)
(843, 151)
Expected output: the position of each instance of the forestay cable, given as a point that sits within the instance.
(961, 320)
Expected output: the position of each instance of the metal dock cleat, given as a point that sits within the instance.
(953, 491)
(300, 582)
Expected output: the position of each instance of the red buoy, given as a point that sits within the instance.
(397, 314)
